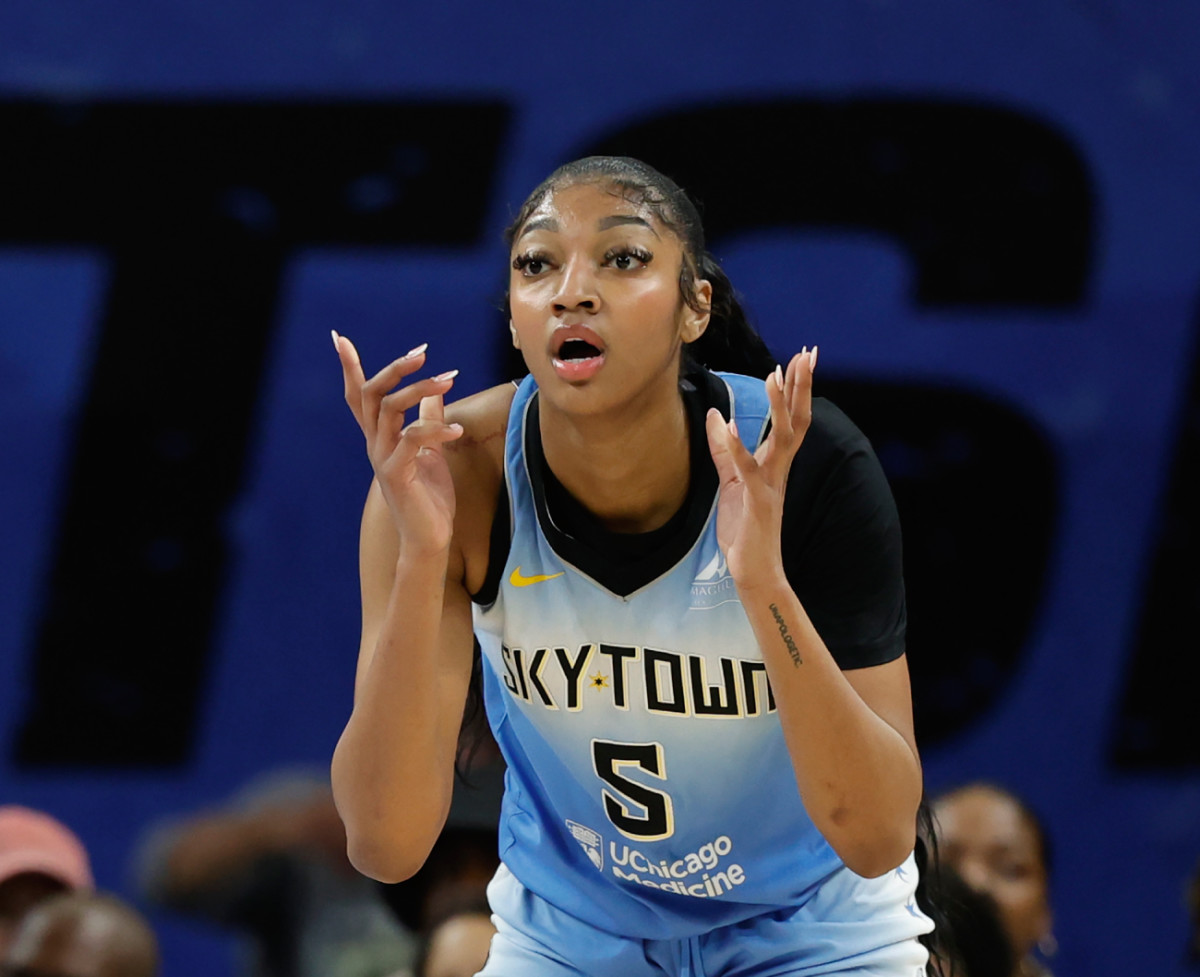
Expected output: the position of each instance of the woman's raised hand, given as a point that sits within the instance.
(750, 508)
(407, 458)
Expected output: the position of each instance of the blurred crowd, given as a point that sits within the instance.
(269, 866)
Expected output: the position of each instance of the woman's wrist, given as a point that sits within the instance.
(764, 583)
(422, 554)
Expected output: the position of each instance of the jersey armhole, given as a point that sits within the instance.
(499, 542)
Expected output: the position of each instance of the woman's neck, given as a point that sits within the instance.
(630, 471)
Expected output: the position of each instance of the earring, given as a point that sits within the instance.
(1047, 945)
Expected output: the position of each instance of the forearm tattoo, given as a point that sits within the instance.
(787, 636)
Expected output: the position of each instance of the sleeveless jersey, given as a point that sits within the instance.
(649, 790)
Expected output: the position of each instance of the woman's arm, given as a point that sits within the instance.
(393, 767)
(849, 734)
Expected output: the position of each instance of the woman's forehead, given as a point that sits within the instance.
(591, 202)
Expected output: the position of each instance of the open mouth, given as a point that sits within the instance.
(577, 353)
(577, 349)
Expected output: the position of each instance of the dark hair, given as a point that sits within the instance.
(931, 897)
(730, 342)
(977, 944)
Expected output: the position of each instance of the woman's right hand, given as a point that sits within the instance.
(407, 459)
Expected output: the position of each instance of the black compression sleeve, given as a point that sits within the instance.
(842, 547)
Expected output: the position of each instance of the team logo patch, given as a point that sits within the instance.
(713, 586)
(590, 841)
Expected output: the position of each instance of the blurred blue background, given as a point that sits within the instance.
(986, 213)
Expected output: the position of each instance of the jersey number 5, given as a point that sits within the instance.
(637, 811)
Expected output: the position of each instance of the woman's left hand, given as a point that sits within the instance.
(750, 508)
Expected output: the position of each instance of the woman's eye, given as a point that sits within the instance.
(530, 265)
(628, 260)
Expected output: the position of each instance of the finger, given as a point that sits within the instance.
(798, 382)
(791, 412)
(778, 441)
(433, 408)
(730, 456)
(352, 374)
(372, 392)
(429, 434)
(423, 435)
(409, 397)
(718, 436)
(800, 400)
(393, 407)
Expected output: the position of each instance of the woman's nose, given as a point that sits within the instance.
(577, 287)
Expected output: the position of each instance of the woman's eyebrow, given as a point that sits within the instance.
(616, 220)
(538, 224)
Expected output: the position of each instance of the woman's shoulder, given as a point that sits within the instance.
(476, 463)
(836, 466)
(484, 418)
(834, 431)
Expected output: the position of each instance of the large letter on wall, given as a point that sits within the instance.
(198, 206)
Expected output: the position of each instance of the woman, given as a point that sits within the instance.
(626, 528)
(998, 846)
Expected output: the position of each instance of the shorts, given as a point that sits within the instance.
(534, 939)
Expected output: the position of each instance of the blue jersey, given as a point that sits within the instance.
(649, 789)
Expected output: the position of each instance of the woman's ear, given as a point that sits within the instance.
(513, 329)
(694, 323)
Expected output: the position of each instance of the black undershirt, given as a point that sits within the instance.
(620, 562)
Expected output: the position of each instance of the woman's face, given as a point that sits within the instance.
(595, 301)
(988, 839)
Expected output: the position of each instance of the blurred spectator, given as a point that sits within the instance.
(39, 858)
(271, 865)
(998, 846)
(82, 934)
(457, 945)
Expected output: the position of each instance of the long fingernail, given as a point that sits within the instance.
(812, 360)
(416, 351)
(336, 337)
(448, 375)
(733, 427)
(779, 376)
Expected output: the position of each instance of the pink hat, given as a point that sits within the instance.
(31, 841)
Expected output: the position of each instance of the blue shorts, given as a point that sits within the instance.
(534, 939)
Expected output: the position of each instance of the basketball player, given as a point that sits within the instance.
(687, 590)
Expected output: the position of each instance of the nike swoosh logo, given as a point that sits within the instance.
(519, 581)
